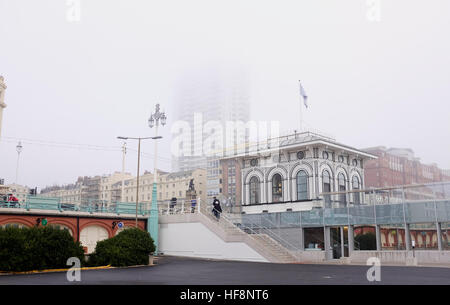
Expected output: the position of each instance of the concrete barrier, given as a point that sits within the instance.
(409, 258)
(311, 256)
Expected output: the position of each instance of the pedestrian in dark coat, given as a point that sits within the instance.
(217, 209)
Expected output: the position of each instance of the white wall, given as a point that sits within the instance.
(275, 208)
(196, 240)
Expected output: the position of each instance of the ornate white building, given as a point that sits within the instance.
(289, 173)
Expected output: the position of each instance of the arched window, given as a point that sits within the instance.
(326, 185)
(302, 185)
(341, 183)
(254, 190)
(356, 186)
(277, 188)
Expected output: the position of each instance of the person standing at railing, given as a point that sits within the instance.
(217, 209)
(172, 204)
(13, 201)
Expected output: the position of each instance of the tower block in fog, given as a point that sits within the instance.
(210, 95)
(2, 100)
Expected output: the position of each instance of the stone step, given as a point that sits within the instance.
(265, 244)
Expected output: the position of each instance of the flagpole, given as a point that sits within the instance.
(301, 117)
(301, 110)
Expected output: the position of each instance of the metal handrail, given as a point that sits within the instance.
(395, 187)
(278, 235)
(10, 204)
(261, 228)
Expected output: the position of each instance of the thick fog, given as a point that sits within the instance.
(375, 72)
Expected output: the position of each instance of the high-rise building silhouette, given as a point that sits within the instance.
(208, 97)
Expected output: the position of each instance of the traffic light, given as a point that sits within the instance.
(42, 221)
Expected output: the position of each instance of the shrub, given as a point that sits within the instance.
(128, 248)
(37, 248)
(367, 241)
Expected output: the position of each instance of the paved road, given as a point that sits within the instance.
(182, 271)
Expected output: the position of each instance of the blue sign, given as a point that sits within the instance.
(120, 225)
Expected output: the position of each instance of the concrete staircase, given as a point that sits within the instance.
(263, 244)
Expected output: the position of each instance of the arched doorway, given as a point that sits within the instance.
(62, 227)
(90, 235)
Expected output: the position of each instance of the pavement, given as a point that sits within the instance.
(192, 271)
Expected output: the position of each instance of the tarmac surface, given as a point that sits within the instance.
(191, 271)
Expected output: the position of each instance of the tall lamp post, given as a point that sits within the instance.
(138, 165)
(19, 148)
(124, 151)
(153, 121)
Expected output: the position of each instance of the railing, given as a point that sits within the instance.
(100, 206)
(269, 228)
(275, 142)
(383, 214)
(389, 195)
(9, 204)
(89, 206)
(230, 221)
(167, 207)
(223, 221)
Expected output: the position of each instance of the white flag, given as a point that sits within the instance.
(303, 94)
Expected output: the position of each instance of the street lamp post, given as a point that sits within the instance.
(138, 165)
(153, 121)
(19, 148)
(124, 151)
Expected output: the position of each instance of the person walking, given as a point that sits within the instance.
(217, 209)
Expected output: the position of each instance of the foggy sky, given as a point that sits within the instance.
(87, 82)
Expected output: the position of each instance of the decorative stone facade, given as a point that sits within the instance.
(298, 165)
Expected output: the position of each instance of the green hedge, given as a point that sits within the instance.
(367, 241)
(128, 248)
(37, 248)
